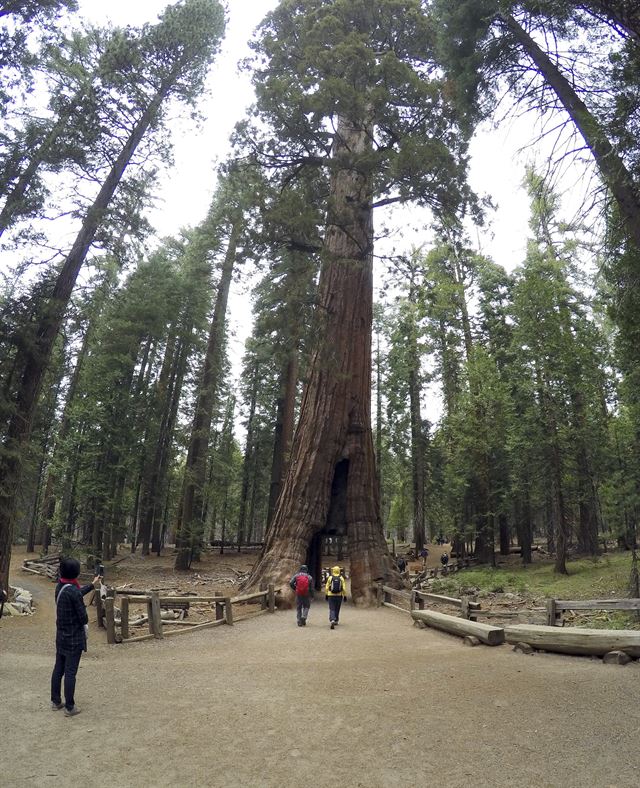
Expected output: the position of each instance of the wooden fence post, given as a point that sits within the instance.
(110, 619)
(99, 609)
(272, 598)
(124, 617)
(156, 618)
(228, 611)
(552, 612)
(219, 608)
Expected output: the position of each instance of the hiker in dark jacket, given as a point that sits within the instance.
(302, 584)
(71, 634)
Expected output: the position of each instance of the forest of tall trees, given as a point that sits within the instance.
(402, 393)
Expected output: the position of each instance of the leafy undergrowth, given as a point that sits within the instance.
(604, 577)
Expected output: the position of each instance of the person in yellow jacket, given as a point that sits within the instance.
(335, 592)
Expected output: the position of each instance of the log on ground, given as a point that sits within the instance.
(574, 640)
(492, 636)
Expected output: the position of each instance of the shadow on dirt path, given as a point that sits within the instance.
(374, 703)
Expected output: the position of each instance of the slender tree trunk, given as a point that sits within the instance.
(333, 445)
(417, 456)
(246, 464)
(612, 168)
(503, 525)
(285, 421)
(196, 465)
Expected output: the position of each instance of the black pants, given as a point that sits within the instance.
(303, 603)
(67, 666)
(334, 608)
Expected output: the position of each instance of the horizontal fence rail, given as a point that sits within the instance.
(155, 602)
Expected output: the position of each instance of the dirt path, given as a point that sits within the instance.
(374, 703)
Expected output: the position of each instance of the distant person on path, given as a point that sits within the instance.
(302, 584)
(335, 593)
(424, 554)
(401, 564)
(72, 624)
(444, 559)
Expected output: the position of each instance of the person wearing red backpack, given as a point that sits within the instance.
(335, 592)
(302, 584)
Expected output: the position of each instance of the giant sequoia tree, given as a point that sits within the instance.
(346, 87)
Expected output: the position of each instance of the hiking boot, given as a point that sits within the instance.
(303, 622)
(56, 706)
(300, 623)
(333, 624)
(72, 711)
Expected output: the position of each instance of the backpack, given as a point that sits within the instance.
(302, 585)
(336, 584)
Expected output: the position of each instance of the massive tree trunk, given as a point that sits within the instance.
(331, 481)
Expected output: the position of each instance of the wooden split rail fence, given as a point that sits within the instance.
(464, 625)
(449, 569)
(155, 602)
(615, 646)
(557, 607)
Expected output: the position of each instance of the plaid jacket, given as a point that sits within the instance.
(71, 616)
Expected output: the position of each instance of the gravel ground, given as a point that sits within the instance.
(374, 703)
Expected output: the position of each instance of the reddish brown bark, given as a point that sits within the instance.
(334, 431)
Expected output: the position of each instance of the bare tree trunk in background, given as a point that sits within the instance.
(192, 526)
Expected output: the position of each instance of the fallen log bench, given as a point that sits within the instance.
(575, 640)
(492, 636)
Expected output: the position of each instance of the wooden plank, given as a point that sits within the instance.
(598, 604)
(492, 636)
(205, 625)
(124, 617)
(552, 613)
(248, 597)
(155, 618)
(192, 600)
(397, 591)
(574, 640)
(110, 620)
(449, 600)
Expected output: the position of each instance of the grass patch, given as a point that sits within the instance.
(600, 578)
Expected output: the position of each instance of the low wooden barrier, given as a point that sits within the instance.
(223, 606)
(492, 636)
(575, 640)
(437, 571)
(386, 593)
(557, 607)
(469, 609)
